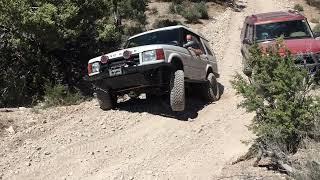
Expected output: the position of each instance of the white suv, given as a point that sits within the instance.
(157, 62)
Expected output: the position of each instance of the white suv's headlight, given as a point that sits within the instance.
(95, 67)
(149, 56)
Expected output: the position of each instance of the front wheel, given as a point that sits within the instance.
(177, 91)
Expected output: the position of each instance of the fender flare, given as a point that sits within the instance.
(209, 68)
(173, 56)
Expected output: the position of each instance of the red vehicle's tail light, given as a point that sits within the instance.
(160, 54)
(89, 68)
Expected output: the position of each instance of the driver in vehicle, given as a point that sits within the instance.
(195, 47)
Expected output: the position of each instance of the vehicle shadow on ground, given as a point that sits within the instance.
(161, 106)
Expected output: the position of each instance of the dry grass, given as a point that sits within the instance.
(307, 162)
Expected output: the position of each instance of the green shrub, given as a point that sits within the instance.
(180, 8)
(172, 8)
(192, 12)
(202, 9)
(175, 8)
(165, 23)
(52, 41)
(191, 15)
(298, 7)
(60, 95)
(279, 94)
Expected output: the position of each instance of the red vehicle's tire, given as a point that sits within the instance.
(177, 91)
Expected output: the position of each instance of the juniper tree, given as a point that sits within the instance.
(279, 94)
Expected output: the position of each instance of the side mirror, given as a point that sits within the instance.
(189, 44)
(247, 41)
(316, 35)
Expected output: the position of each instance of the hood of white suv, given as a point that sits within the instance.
(135, 50)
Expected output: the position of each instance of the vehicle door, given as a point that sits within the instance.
(211, 59)
(197, 62)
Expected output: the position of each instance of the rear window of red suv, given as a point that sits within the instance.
(287, 29)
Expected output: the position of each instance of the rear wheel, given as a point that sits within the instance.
(106, 100)
(177, 91)
(211, 90)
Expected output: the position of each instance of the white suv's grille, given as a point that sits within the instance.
(132, 61)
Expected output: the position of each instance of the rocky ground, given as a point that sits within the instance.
(141, 140)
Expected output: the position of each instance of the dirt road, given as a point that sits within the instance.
(140, 140)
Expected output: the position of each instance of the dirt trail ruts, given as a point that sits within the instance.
(140, 140)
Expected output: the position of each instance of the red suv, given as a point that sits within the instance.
(264, 28)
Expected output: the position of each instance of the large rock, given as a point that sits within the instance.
(10, 130)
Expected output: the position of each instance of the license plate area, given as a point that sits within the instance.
(115, 71)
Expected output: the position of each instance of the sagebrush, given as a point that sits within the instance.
(60, 95)
(298, 7)
(192, 12)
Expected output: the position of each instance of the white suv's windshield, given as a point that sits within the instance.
(170, 37)
(287, 30)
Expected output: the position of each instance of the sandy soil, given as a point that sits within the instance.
(140, 140)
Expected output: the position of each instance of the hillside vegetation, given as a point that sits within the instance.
(45, 43)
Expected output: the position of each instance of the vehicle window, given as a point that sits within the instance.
(170, 37)
(206, 44)
(287, 30)
(195, 38)
(198, 45)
